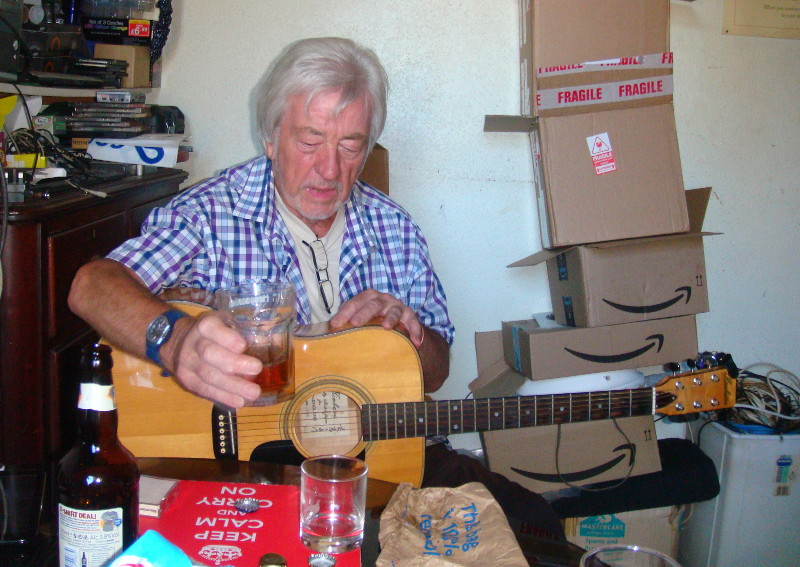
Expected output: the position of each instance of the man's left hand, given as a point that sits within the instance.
(371, 304)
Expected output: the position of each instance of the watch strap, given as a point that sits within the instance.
(153, 349)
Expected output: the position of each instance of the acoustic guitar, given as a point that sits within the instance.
(359, 392)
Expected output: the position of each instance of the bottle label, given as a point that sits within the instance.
(88, 538)
(97, 397)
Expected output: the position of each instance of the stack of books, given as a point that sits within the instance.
(107, 120)
(109, 71)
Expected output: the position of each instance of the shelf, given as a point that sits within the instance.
(61, 92)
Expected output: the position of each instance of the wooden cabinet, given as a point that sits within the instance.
(47, 241)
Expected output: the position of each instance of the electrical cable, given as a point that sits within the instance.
(700, 431)
(767, 412)
(771, 400)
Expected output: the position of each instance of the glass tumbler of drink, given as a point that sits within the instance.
(626, 556)
(333, 495)
(264, 314)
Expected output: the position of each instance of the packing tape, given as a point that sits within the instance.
(517, 355)
(652, 61)
(605, 93)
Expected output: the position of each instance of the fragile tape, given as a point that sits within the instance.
(604, 93)
(652, 61)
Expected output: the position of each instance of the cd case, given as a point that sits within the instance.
(155, 494)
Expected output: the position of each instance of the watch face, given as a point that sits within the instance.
(156, 332)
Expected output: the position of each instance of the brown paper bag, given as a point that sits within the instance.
(440, 527)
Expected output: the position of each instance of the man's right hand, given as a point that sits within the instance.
(203, 353)
(206, 357)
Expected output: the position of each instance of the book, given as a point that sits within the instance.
(201, 520)
(154, 494)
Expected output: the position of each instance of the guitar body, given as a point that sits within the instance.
(335, 375)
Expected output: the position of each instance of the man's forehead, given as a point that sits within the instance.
(307, 99)
(303, 107)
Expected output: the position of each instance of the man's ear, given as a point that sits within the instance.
(270, 147)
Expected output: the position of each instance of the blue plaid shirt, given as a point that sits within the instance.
(227, 229)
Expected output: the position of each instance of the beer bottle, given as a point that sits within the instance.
(98, 479)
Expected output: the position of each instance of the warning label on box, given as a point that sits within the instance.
(602, 154)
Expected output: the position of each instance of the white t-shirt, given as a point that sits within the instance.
(331, 244)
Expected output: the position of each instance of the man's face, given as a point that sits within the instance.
(319, 156)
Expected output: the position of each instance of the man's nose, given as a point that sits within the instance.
(328, 162)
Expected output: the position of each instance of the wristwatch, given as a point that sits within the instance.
(159, 331)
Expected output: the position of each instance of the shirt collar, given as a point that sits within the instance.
(256, 188)
(358, 227)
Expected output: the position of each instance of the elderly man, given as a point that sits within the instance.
(281, 216)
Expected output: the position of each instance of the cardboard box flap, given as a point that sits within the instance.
(504, 123)
(495, 377)
(539, 257)
(497, 381)
(696, 203)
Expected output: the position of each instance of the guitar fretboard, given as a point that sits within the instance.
(420, 419)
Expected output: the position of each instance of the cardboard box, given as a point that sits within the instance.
(597, 104)
(552, 457)
(603, 176)
(623, 281)
(376, 169)
(656, 528)
(542, 349)
(608, 176)
(138, 58)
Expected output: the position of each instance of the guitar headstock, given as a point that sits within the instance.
(709, 389)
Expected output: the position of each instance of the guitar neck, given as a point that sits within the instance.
(420, 419)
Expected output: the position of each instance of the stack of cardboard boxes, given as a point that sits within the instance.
(621, 236)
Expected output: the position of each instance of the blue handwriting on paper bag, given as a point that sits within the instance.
(462, 533)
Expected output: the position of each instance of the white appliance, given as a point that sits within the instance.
(597, 382)
(755, 520)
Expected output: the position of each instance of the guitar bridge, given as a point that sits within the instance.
(224, 433)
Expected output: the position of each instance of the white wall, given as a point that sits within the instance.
(451, 62)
